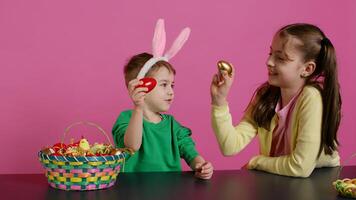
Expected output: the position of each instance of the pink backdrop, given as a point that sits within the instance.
(62, 61)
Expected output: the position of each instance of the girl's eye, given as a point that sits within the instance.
(164, 84)
(172, 86)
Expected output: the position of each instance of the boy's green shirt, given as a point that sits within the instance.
(163, 144)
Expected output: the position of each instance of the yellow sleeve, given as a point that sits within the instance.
(302, 161)
(231, 139)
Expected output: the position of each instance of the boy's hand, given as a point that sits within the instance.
(204, 170)
(137, 94)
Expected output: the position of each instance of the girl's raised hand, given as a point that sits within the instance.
(220, 87)
(137, 94)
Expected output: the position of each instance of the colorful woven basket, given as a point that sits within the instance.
(346, 187)
(84, 172)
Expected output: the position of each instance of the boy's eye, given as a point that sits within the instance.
(280, 58)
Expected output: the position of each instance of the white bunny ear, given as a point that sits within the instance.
(159, 39)
(178, 43)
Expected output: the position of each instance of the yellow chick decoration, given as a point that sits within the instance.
(84, 145)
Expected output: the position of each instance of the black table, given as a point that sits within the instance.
(235, 184)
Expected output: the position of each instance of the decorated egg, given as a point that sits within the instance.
(116, 152)
(58, 146)
(149, 83)
(225, 66)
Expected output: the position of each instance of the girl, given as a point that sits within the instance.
(159, 141)
(296, 113)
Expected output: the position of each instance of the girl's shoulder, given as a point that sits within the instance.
(310, 90)
(310, 93)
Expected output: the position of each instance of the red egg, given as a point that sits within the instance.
(58, 146)
(149, 83)
(76, 144)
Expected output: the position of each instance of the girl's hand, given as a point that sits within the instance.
(220, 87)
(137, 94)
(245, 167)
(204, 170)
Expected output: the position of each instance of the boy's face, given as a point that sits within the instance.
(161, 97)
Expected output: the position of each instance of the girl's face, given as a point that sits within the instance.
(285, 63)
(161, 97)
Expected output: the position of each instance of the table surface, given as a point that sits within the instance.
(234, 184)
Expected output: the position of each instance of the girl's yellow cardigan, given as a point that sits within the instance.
(305, 137)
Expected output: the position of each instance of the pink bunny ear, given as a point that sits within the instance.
(159, 39)
(178, 43)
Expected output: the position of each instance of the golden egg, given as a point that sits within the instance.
(225, 66)
(116, 152)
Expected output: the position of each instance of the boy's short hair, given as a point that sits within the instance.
(133, 67)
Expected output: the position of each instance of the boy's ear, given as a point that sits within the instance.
(309, 68)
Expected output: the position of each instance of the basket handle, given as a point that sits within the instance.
(85, 123)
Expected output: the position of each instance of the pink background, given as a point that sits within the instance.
(62, 62)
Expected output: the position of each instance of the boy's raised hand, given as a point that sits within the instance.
(204, 170)
(137, 94)
(220, 86)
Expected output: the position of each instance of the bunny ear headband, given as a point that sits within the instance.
(158, 45)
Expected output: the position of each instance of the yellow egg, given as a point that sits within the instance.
(225, 66)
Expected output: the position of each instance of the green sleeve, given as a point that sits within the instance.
(119, 129)
(186, 144)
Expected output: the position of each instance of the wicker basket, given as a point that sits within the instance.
(346, 187)
(83, 172)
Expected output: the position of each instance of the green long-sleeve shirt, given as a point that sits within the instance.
(163, 144)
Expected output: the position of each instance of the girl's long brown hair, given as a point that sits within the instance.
(318, 48)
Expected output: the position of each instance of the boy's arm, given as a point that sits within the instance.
(196, 163)
(186, 145)
(133, 133)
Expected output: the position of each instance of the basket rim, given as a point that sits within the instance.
(82, 158)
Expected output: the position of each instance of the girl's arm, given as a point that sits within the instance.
(302, 161)
(231, 139)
